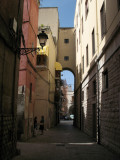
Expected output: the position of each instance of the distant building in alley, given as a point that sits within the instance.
(67, 99)
(10, 39)
(70, 94)
(27, 71)
(64, 104)
(97, 93)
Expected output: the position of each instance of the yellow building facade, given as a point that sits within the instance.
(45, 82)
(47, 66)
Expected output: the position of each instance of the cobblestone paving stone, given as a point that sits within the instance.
(63, 142)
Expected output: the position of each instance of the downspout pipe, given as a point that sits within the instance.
(97, 61)
(98, 107)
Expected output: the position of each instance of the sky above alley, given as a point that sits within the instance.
(66, 9)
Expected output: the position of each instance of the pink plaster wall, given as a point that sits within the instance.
(30, 29)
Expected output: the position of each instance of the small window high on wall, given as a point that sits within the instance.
(66, 58)
(66, 40)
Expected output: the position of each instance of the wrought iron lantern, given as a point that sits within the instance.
(42, 37)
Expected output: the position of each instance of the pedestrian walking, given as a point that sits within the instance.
(35, 125)
(42, 125)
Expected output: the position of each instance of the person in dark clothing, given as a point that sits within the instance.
(42, 124)
(35, 125)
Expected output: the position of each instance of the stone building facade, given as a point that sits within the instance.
(97, 92)
(10, 36)
(27, 71)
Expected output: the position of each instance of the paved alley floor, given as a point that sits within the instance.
(64, 142)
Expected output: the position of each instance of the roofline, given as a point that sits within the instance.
(66, 27)
(47, 7)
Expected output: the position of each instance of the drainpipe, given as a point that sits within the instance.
(81, 106)
(98, 108)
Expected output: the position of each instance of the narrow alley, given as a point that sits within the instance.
(63, 142)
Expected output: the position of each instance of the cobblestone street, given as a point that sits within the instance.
(63, 142)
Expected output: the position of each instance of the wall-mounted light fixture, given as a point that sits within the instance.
(42, 37)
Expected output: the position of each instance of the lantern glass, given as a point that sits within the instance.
(42, 38)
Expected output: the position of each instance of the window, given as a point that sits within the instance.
(86, 8)
(82, 25)
(103, 21)
(66, 40)
(87, 92)
(80, 70)
(77, 72)
(83, 63)
(105, 79)
(57, 73)
(118, 1)
(66, 58)
(94, 87)
(93, 42)
(82, 95)
(79, 36)
(30, 95)
(87, 58)
(41, 60)
(77, 45)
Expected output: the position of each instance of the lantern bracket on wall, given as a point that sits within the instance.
(42, 37)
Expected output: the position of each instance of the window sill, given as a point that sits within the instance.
(41, 67)
(104, 90)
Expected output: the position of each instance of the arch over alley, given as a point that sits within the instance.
(66, 49)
